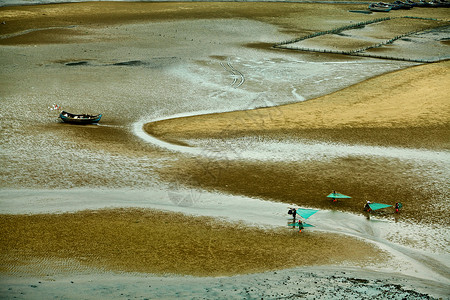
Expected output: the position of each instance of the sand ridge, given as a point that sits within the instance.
(414, 97)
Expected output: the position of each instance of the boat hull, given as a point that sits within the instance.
(380, 9)
(79, 119)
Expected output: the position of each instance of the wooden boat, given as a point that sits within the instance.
(412, 3)
(439, 3)
(424, 3)
(380, 7)
(401, 5)
(79, 119)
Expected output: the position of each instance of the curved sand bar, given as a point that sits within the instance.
(414, 97)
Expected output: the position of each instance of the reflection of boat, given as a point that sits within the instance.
(380, 7)
(79, 119)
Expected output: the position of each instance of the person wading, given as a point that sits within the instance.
(300, 226)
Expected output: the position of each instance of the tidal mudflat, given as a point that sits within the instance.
(209, 134)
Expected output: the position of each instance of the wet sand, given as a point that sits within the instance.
(127, 61)
(170, 243)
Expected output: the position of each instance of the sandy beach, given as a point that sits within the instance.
(215, 121)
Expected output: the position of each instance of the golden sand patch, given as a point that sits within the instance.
(137, 240)
(415, 97)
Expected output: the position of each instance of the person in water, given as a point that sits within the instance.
(293, 212)
(397, 207)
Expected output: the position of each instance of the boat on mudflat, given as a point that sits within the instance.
(79, 119)
(401, 5)
(380, 7)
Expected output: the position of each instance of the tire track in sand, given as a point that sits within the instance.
(237, 75)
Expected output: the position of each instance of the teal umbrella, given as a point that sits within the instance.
(375, 206)
(338, 196)
(305, 213)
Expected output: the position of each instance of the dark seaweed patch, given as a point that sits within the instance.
(78, 63)
(154, 63)
(130, 63)
(358, 280)
(367, 12)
